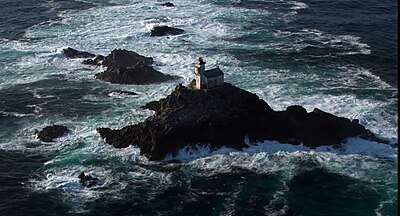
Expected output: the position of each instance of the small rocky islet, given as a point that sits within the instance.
(168, 4)
(122, 67)
(88, 180)
(49, 133)
(165, 31)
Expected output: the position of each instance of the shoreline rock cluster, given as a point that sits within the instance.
(226, 116)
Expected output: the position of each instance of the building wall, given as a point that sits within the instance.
(214, 81)
(220, 80)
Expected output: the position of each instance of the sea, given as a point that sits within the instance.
(339, 56)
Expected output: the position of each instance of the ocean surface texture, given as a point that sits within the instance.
(339, 56)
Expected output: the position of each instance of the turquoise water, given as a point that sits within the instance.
(284, 51)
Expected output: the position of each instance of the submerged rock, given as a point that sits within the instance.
(49, 133)
(73, 53)
(87, 180)
(165, 30)
(127, 67)
(94, 61)
(226, 116)
(122, 92)
(167, 4)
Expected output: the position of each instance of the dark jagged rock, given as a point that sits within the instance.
(140, 74)
(94, 61)
(73, 53)
(49, 133)
(124, 92)
(167, 4)
(153, 105)
(224, 116)
(87, 180)
(127, 67)
(122, 67)
(125, 58)
(165, 30)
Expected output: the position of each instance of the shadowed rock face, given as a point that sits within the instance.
(165, 30)
(94, 61)
(153, 105)
(125, 58)
(224, 116)
(49, 133)
(140, 74)
(127, 67)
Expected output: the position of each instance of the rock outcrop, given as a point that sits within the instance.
(127, 67)
(97, 60)
(73, 53)
(226, 116)
(88, 180)
(165, 30)
(153, 105)
(167, 4)
(125, 58)
(122, 67)
(49, 133)
(122, 92)
(140, 74)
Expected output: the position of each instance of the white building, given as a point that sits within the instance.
(207, 79)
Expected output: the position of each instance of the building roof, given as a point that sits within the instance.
(213, 72)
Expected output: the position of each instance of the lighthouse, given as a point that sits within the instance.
(207, 79)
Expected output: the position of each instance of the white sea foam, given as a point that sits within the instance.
(350, 44)
(66, 179)
(299, 5)
(352, 146)
(16, 114)
(39, 96)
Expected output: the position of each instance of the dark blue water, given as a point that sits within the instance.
(15, 196)
(18, 15)
(375, 22)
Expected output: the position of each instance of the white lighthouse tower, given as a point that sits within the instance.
(199, 70)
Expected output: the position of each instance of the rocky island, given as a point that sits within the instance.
(122, 67)
(165, 30)
(219, 114)
(49, 133)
